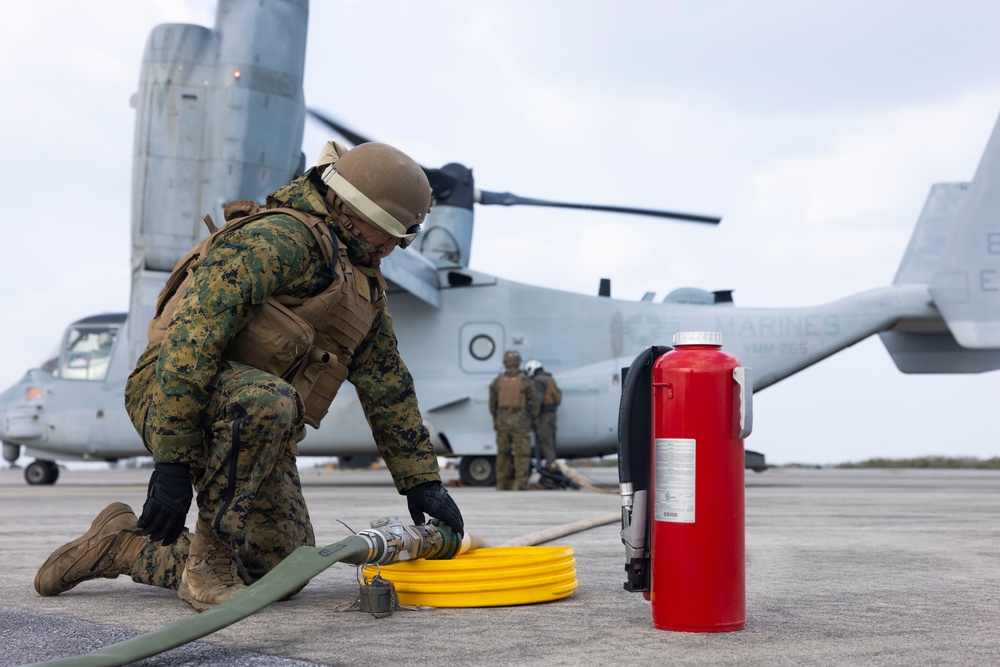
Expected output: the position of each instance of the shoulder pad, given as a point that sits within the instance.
(240, 208)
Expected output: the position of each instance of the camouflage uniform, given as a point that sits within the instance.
(513, 425)
(237, 427)
(545, 424)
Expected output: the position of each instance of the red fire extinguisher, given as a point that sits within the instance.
(701, 398)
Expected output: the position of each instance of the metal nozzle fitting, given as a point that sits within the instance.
(391, 540)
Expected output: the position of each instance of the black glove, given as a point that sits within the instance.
(168, 500)
(432, 498)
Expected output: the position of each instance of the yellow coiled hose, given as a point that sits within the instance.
(511, 574)
(490, 577)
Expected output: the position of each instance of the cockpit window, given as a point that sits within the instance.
(86, 352)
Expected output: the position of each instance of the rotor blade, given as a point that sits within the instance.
(340, 128)
(507, 199)
(443, 183)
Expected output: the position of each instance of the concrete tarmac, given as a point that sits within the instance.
(844, 567)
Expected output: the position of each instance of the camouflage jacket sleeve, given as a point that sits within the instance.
(275, 255)
(385, 389)
(532, 399)
(494, 393)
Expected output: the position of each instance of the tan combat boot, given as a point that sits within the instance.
(108, 549)
(210, 576)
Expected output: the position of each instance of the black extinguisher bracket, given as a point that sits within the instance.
(634, 434)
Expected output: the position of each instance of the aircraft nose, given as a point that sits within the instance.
(19, 423)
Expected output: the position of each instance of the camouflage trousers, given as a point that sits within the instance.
(248, 489)
(545, 437)
(513, 456)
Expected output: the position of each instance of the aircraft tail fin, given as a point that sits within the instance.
(931, 235)
(955, 251)
(966, 281)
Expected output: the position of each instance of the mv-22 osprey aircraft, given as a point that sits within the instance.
(220, 116)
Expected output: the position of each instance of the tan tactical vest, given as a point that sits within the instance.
(509, 393)
(307, 342)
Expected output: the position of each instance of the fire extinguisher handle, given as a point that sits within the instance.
(744, 380)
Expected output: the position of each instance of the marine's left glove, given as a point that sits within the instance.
(168, 500)
(432, 498)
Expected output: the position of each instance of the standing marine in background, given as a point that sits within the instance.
(254, 334)
(545, 424)
(514, 405)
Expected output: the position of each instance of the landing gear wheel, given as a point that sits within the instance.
(478, 470)
(41, 472)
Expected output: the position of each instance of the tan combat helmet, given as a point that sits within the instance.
(329, 153)
(385, 186)
(512, 359)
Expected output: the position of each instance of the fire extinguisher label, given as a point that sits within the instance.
(674, 480)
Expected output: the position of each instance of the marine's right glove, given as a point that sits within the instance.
(168, 500)
(432, 498)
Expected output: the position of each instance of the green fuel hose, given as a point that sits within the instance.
(387, 541)
(545, 574)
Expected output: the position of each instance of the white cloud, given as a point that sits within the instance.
(816, 136)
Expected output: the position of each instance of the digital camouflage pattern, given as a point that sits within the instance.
(512, 426)
(166, 393)
(248, 485)
(238, 427)
(273, 256)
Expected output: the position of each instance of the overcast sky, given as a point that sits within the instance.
(815, 128)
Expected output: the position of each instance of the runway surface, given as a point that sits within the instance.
(843, 567)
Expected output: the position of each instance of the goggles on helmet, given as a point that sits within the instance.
(369, 210)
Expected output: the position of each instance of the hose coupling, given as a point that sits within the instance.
(390, 540)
